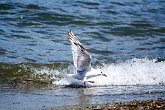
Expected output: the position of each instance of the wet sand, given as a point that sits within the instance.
(158, 104)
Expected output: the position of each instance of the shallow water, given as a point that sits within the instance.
(126, 40)
(59, 96)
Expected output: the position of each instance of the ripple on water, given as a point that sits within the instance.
(2, 51)
(118, 27)
(6, 6)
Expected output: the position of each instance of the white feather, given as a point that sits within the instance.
(81, 57)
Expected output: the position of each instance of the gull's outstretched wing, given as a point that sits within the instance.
(81, 57)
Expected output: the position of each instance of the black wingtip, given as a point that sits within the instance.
(69, 32)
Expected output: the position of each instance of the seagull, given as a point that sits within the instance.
(82, 61)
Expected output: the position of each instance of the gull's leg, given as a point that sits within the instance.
(91, 81)
(85, 80)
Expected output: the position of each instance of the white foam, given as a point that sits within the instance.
(132, 72)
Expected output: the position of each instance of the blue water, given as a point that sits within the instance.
(125, 38)
(35, 31)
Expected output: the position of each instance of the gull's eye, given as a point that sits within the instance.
(101, 72)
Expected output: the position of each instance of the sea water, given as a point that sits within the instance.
(125, 38)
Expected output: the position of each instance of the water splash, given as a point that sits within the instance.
(132, 72)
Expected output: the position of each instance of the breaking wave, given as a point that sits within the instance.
(131, 72)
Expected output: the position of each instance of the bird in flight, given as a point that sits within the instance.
(82, 61)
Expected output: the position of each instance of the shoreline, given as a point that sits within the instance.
(158, 104)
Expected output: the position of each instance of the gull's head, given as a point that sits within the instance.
(102, 73)
(99, 71)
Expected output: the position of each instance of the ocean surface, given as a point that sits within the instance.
(126, 39)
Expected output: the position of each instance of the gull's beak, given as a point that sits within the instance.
(104, 75)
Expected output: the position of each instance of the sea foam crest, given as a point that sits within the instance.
(131, 72)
